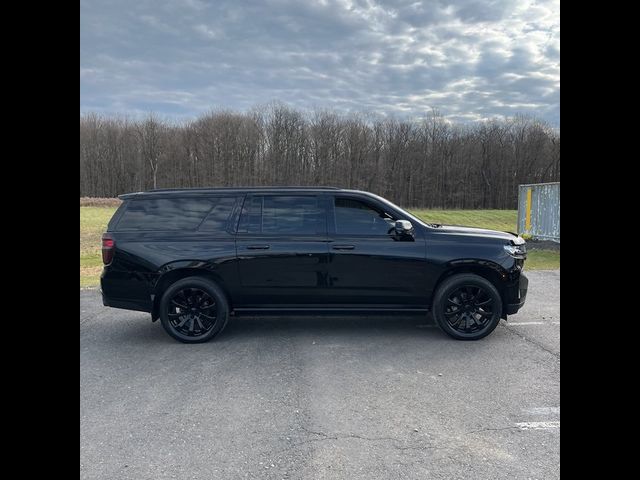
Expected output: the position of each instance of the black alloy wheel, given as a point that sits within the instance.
(194, 310)
(469, 309)
(467, 306)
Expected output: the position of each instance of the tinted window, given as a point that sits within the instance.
(277, 215)
(165, 214)
(114, 219)
(251, 219)
(354, 217)
(219, 216)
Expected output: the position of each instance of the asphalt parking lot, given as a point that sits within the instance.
(367, 397)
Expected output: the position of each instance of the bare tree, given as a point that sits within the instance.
(151, 133)
(429, 163)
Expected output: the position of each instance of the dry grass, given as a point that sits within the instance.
(99, 202)
(90, 276)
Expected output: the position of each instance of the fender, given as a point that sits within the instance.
(178, 269)
(492, 271)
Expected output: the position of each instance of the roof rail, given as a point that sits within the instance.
(275, 187)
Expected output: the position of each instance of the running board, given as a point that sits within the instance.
(327, 310)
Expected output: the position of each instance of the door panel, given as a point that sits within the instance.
(282, 250)
(377, 271)
(368, 262)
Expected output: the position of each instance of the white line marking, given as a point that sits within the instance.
(533, 323)
(537, 425)
(543, 410)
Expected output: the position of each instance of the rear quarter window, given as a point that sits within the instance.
(111, 226)
(164, 214)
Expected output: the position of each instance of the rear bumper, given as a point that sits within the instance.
(126, 291)
(125, 304)
(517, 295)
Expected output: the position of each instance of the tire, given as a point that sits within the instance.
(467, 306)
(194, 310)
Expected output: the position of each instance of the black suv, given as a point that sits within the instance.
(193, 257)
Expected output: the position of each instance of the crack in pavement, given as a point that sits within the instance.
(89, 317)
(528, 339)
(327, 437)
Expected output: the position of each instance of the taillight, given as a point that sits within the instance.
(108, 244)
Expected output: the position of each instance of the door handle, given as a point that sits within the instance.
(343, 247)
(258, 247)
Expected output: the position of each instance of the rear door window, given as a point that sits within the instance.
(282, 215)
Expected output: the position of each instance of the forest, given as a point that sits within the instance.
(424, 163)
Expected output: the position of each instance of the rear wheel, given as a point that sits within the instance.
(194, 310)
(467, 306)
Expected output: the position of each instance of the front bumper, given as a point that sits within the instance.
(517, 296)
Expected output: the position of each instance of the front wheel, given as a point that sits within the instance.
(194, 310)
(467, 306)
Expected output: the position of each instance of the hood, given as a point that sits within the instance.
(478, 232)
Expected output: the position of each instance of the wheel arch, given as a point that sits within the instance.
(490, 271)
(171, 276)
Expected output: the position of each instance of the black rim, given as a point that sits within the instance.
(469, 309)
(192, 312)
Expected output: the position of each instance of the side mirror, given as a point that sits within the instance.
(403, 226)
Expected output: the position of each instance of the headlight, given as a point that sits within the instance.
(516, 250)
(518, 240)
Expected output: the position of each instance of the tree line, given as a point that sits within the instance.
(429, 163)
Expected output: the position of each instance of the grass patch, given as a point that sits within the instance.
(542, 260)
(90, 276)
(89, 260)
(503, 220)
(93, 223)
(94, 219)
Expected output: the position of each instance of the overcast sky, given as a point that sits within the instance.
(470, 59)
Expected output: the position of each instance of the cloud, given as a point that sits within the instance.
(469, 59)
(207, 32)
